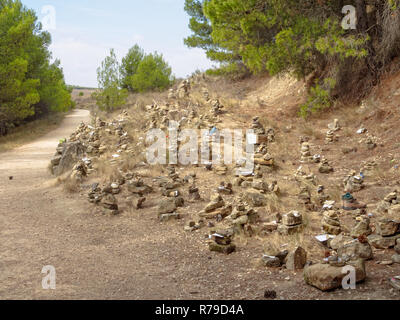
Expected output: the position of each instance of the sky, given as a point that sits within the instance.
(84, 31)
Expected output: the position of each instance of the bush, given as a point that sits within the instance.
(319, 98)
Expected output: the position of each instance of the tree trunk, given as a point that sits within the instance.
(362, 17)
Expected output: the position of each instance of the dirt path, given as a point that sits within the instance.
(132, 256)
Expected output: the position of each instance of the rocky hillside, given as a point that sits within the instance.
(288, 210)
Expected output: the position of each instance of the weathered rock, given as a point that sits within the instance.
(292, 218)
(72, 152)
(167, 206)
(397, 247)
(340, 241)
(296, 259)
(325, 167)
(394, 210)
(56, 160)
(387, 227)
(380, 242)
(396, 258)
(216, 202)
(355, 250)
(138, 187)
(169, 216)
(226, 249)
(255, 199)
(362, 228)
(290, 230)
(271, 261)
(327, 277)
(110, 205)
(331, 222)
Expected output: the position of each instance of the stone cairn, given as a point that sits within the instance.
(321, 196)
(292, 223)
(353, 182)
(216, 108)
(109, 204)
(330, 135)
(221, 242)
(390, 204)
(206, 94)
(302, 177)
(242, 217)
(368, 166)
(371, 142)
(325, 167)
(262, 156)
(183, 89)
(331, 222)
(305, 153)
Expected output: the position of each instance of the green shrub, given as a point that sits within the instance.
(319, 98)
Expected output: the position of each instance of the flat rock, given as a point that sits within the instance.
(326, 277)
(226, 249)
(380, 242)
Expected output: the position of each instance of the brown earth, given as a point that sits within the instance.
(134, 256)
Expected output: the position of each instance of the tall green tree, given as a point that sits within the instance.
(129, 66)
(110, 95)
(29, 83)
(153, 73)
